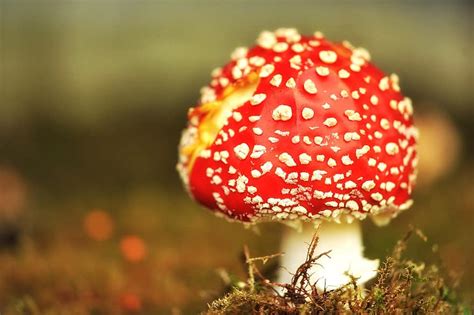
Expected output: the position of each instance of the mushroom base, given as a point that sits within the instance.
(343, 240)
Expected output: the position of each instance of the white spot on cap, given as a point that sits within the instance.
(354, 67)
(307, 113)
(266, 70)
(328, 56)
(317, 175)
(252, 189)
(254, 118)
(237, 116)
(256, 173)
(216, 179)
(216, 72)
(346, 160)
(372, 162)
(384, 123)
(257, 131)
(304, 158)
(338, 177)
(333, 204)
(395, 82)
(282, 112)
(383, 84)
(266, 39)
(368, 185)
(391, 148)
(287, 159)
(258, 151)
(280, 172)
(374, 100)
(330, 122)
(377, 196)
(318, 140)
(350, 185)
(332, 162)
(242, 150)
(291, 83)
(300, 209)
(236, 73)
(310, 87)
(258, 98)
(348, 136)
(352, 205)
(280, 47)
(304, 176)
(389, 186)
(295, 61)
(394, 171)
(266, 167)
(282, 133)
(318, 194)
(276, 80)
(352, 115)
(257, 61)
(322, 71)
(242, 181)
(209, 172)
(382, 166)
(205, 154)
(343, 74)
(318, 34)
(297, 48)
(360, 152)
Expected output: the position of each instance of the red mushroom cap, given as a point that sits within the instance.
(298, 127)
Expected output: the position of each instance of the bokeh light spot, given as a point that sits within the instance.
(98, 225)
(133, 248)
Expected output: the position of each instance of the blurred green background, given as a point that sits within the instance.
(94, 96)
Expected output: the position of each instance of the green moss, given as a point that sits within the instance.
(402, 286)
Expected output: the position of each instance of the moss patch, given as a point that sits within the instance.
(402, 286)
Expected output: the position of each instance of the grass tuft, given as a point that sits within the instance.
(402, 286)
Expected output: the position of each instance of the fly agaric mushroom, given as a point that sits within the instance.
(301, 129)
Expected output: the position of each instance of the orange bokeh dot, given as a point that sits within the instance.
(98, 225)
(130, 302)
(133, 248)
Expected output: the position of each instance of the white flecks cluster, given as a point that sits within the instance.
(351, 133)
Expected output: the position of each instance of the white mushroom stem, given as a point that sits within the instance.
(344, 240)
